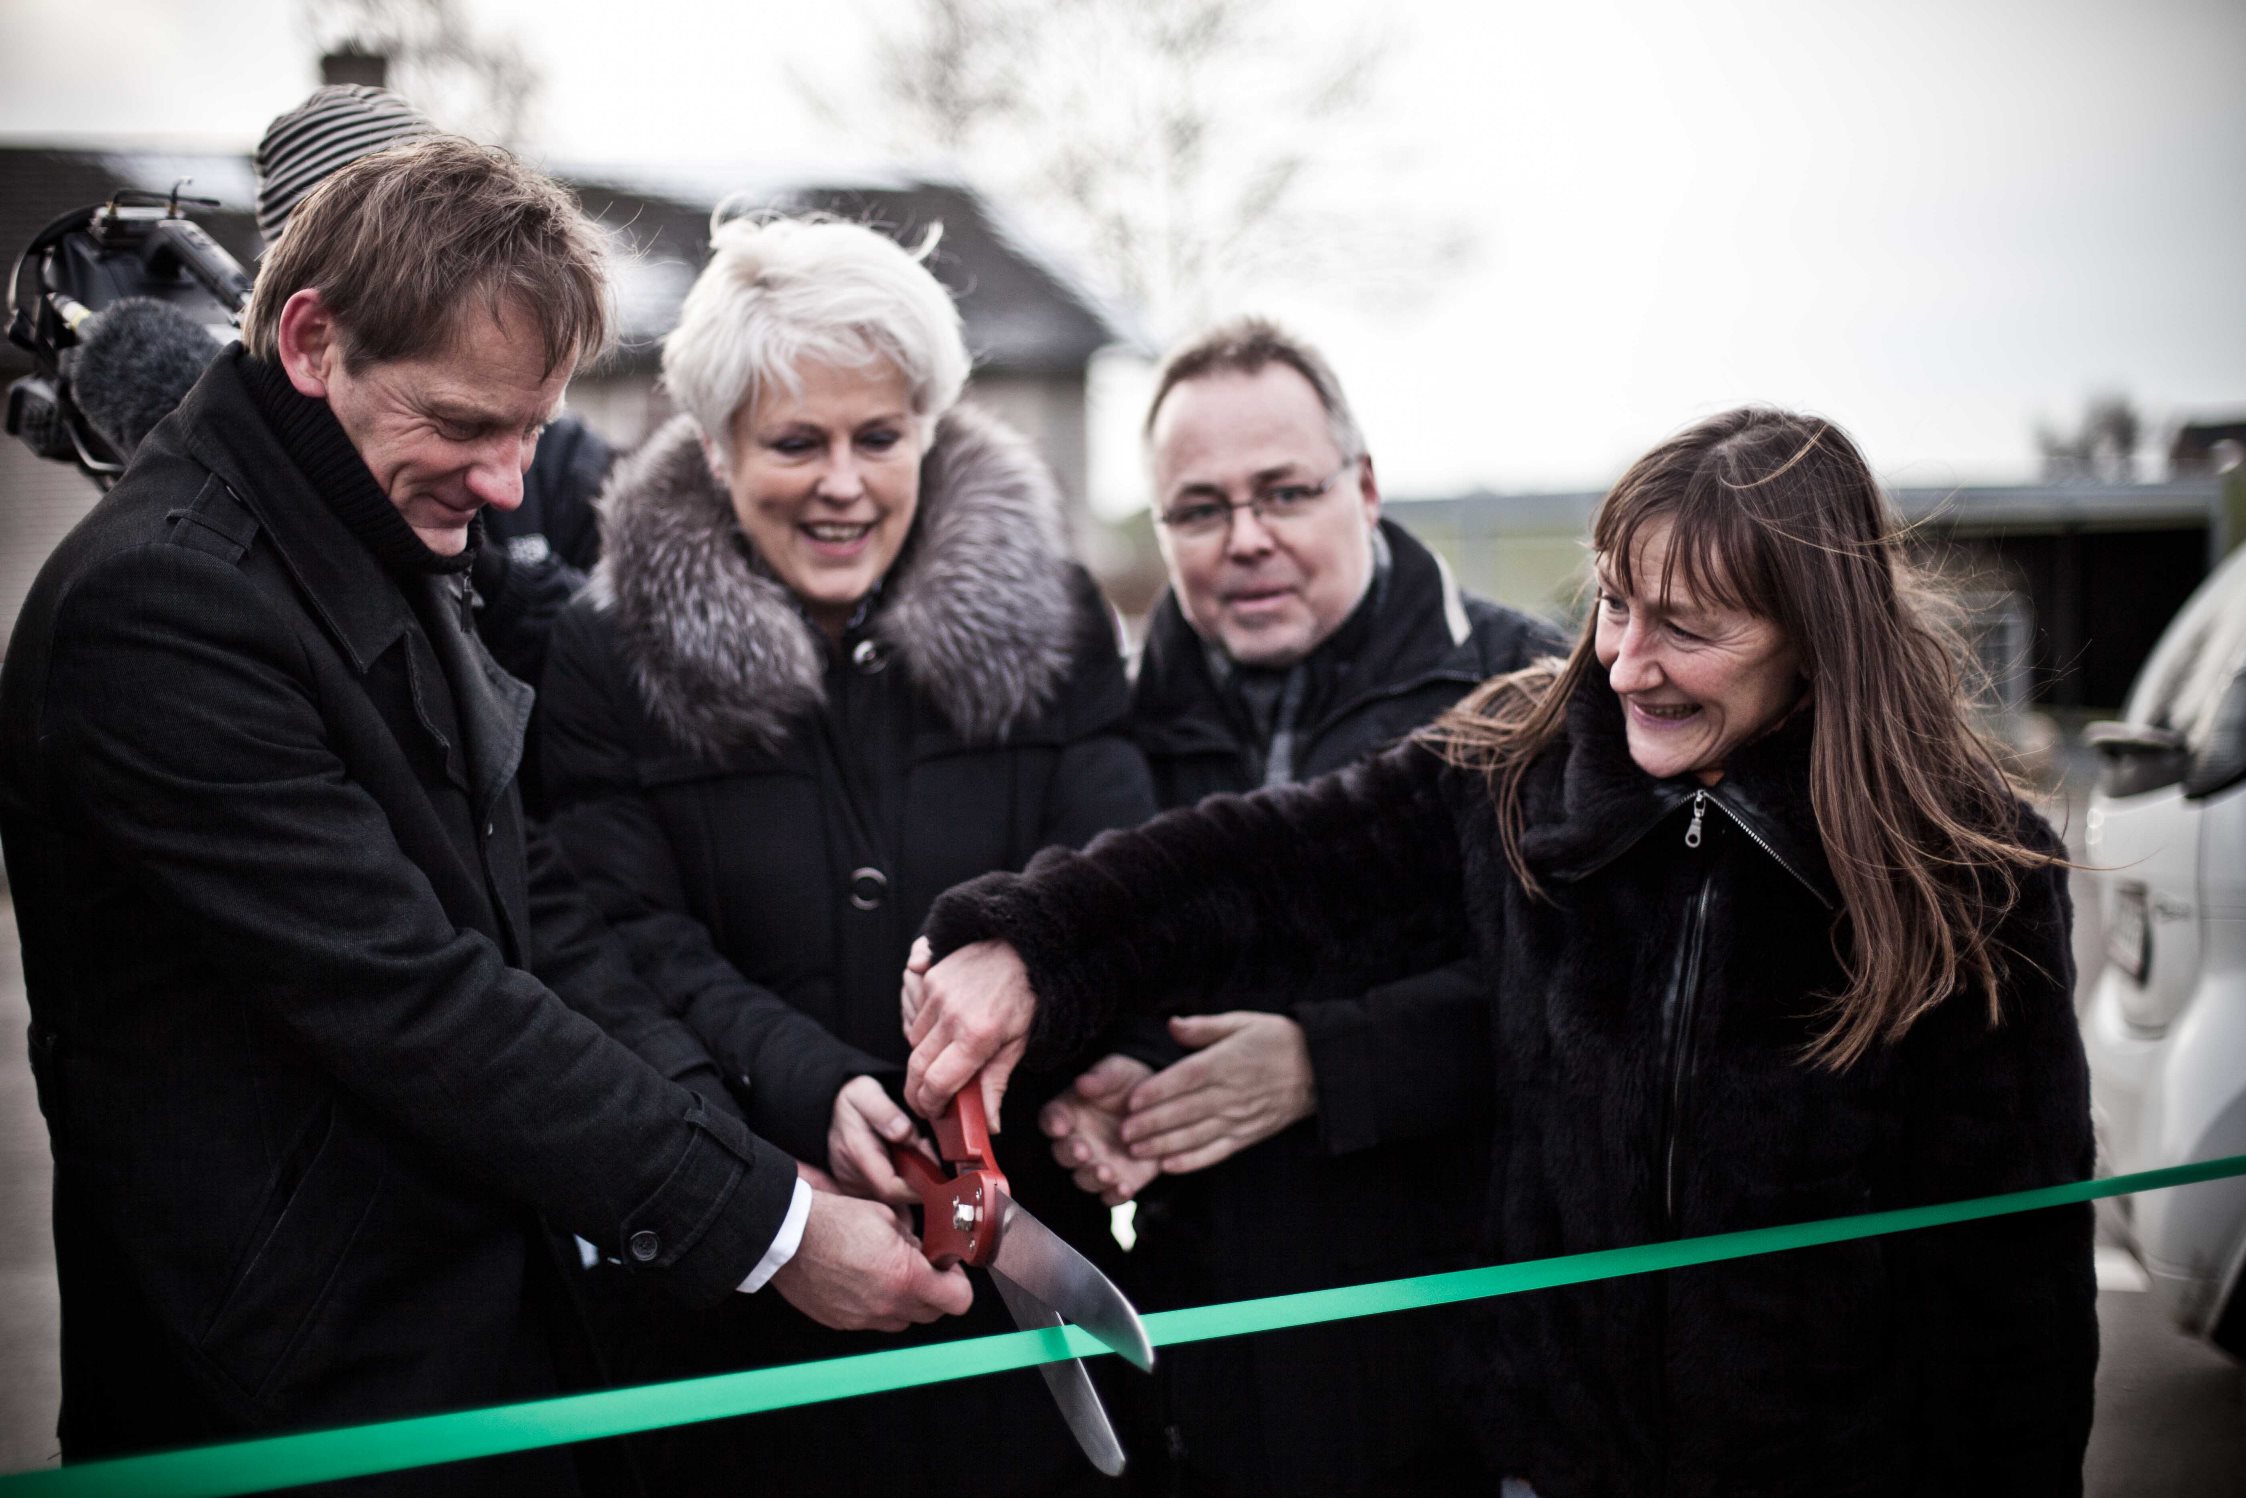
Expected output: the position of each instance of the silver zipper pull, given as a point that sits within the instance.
(1699, 810)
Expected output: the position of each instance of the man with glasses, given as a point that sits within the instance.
(1304, 1143)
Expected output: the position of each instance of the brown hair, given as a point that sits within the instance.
(400, 242)
(1246, 346)
(1779, 515)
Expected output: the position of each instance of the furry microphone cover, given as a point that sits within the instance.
(137, 359)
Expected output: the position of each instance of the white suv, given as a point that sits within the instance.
(2165, 1022)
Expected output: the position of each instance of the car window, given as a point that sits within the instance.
(2184, 683)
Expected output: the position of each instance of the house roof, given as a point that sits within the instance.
(1024, 312)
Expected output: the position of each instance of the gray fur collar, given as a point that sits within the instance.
(977, 608)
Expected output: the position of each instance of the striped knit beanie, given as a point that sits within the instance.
(335, 127)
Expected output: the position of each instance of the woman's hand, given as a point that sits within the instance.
(974, 1016)
(916, 976)
(856, 1270)
(1086, 1126)
(1249, 1077)
(866, 1122)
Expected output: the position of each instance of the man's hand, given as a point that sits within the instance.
(856, 1270)
(1249, 1077)
(1086, 1126)
(866, 1122)
(975, 1010)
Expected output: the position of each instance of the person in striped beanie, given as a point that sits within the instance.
(333, 128)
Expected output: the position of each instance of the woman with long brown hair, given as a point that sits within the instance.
(1768, 936)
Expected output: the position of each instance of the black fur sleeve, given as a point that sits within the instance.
(1358, 870)
(2003, 1320)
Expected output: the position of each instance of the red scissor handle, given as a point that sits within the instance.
(959, 1224)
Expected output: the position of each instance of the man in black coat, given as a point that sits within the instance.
(1308, 1141)
(536, 554)
(307, 1041)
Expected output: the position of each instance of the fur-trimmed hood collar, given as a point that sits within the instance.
(977, 608)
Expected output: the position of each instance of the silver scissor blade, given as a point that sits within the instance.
(1070, 1383)
(1037, 1260)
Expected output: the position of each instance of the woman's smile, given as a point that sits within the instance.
(1734, 674)
(825, 480)
(837, 538)
(1661, 715)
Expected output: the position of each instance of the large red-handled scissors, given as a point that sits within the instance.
(971, 1218)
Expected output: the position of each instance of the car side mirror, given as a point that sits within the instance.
(2134, 758)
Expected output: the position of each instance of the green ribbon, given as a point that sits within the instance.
(270, 1462)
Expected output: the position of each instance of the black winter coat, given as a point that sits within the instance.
(556, 519)
(766, 818)
(293, 986)
(535, 561)
(1646, 1033)
(1384, 1180)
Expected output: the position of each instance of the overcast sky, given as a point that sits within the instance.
(1935, 222)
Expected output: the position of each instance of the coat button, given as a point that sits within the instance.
(871, 657)
(868, 888)
(645, 1246)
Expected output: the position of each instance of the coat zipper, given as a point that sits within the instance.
(1680, 1044)
(1677, 1024)
(1684, 1003)
(1775, 857)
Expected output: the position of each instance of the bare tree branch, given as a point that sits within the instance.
(1188, 152)
(2103, 446)
(480, 86)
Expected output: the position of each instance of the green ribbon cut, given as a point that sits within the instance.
(260, 1465)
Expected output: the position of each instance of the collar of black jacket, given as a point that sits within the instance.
(1606, 805)
(1416, 626)
(227, 430)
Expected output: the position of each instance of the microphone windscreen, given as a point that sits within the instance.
(137, 359)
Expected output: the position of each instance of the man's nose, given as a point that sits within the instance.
(1248, 535)
(496, 477)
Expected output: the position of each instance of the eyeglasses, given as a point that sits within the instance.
(1206, 519)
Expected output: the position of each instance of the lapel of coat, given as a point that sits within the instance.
(357, 602)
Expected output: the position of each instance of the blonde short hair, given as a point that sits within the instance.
(779, 291)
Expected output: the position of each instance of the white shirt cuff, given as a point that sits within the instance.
(785, 1242)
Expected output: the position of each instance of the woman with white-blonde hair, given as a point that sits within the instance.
(834, 661)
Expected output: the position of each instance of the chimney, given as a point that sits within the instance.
(350, 65)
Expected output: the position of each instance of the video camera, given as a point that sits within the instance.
(120, 306)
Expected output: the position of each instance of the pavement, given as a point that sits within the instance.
(2171, 1419)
